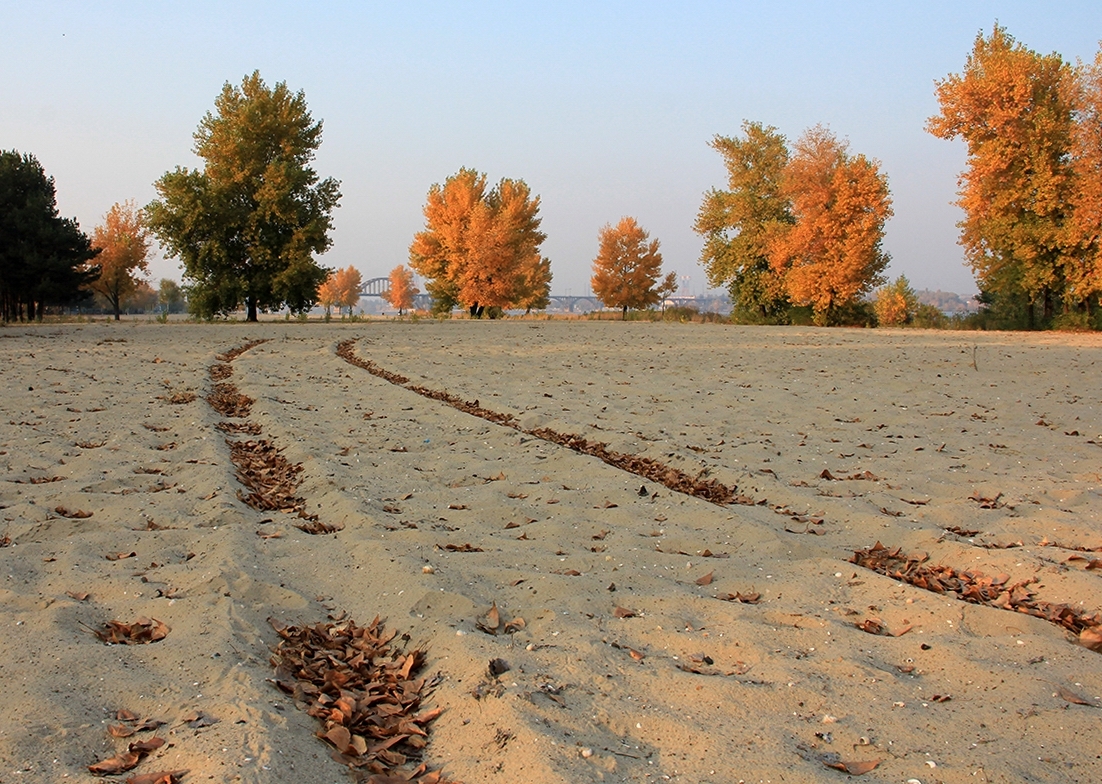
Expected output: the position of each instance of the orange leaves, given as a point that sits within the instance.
(480, 247)
(831, 255)
(491, 622)
(124, 242)
(341, 289)
(978, 588)
(627, 267)
(366, 695)
(143, 630)
(401, 291)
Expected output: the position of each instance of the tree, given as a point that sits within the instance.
(43, 257)
(170, 295)
(534, 288)
(1014, 108)
(402, 291)
(329, 294)
(480, 248)
(123, 241)
(341, 290)
(1083, 271)
(896, 303)
(248, 224)
(737, 224)
(666, 288)
(626, 270)
(831, 255)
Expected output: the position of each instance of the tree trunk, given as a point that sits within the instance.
(624, 314)
(250, 306)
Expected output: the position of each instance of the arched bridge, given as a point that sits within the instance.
(374, 287)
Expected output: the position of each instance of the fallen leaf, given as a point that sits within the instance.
(80, 596)
(826, 474)
(624, 612)
(635, 654)
(117, 764)
(146, 746)
(78, 514)
(1074, 698)
(706, 579)
(121, 556)
(197, 719)
(458, 506)
(853, 768)
(160, 777)
(490, 622)
(143, 630)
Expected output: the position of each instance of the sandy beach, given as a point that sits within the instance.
(655, 635)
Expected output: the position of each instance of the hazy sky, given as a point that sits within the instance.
(605, 109)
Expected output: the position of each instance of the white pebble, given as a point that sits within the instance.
(587, 753)
(931, 763)
(427, 569)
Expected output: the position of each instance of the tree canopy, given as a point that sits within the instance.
(1016, 110)
(737, 223)
(831, 255)
(341, 290)
(627, 267)
(479, 247)
(43, 257)
(247, 226)
(401, 290)
(123, 241)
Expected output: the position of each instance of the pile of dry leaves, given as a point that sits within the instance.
(978, 588)
(271, 478)
(366, 694)
(234, 353)
(227, 401)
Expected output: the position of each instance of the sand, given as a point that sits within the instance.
(996, 436)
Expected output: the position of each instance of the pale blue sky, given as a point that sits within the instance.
(605, 109)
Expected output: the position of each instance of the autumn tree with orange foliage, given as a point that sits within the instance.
(831, 256)
(627, 267)
(401, 292)
(1083, 271)
(340, 290)
(480, 247)
(124, 249)
(1015, 110)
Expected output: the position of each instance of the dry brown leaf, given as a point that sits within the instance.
(143, 630)
(636, 654)
(1074, 698)
(706, 579)
(121, 556)
(515, 625)
(160, 777)
(624, 612)
(78, 514)
(1091, 637)
(490, 621)
(79, 596)
(146, 746)
(120, 763)
(853, 768)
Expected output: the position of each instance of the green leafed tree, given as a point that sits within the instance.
(737, 223)
(248, 224)
(43, 257)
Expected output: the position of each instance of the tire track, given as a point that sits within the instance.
(711, 490)
(270, 478)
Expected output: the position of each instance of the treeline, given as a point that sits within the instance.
(796, 235)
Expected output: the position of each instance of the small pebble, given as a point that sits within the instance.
(828, 719)
(587, 753)
(427, 569)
